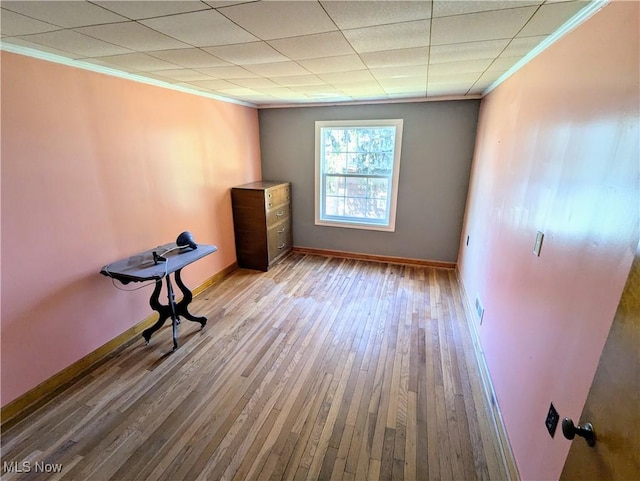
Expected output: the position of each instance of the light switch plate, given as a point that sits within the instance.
(538, 246)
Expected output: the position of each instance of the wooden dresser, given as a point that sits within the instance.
(262, 223)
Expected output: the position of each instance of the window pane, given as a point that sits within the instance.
(356, 187)
(376, 209)
(334, 185)
(335, 163)
(334, 206)
(333, 140)
(356, 207)
(354, 163)
(378, 188)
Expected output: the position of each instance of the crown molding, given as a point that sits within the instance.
(578, 19)
(49, 57)
(370, 102)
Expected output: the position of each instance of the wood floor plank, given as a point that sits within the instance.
(321, 368)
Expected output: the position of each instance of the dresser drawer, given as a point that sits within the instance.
(279, 240)
(278, 214)
(277, 196)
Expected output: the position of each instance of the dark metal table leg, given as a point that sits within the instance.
(173, 310)
(163, 311)
(187, 297)
(174, 316)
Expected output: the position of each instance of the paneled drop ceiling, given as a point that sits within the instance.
(292, 52)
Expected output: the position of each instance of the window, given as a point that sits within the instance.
(357, 165)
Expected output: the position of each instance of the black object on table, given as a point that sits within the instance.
(156, 264)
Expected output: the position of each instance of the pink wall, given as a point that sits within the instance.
(557, 151)
(96, 168)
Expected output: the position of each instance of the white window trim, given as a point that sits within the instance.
(398, 124)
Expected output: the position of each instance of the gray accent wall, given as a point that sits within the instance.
(437, 149)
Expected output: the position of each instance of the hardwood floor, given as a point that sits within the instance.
(321, 368)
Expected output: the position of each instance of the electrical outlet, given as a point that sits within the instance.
(538, 245)
(467, 240)
(552, 420)
(479, 309)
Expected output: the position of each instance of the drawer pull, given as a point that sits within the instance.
(270, 204)
(269, 195)
(282, 231)
(279, 213)
(282, 246)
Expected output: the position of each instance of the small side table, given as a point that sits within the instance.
(156, 264)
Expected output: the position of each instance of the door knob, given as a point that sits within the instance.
(585, 431)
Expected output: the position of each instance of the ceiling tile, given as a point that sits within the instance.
(283, 93)
(463, 84)
(521, 46)
(387, 37)
(550, 17)
(476, 90)
(361, 90)
(487, 79)
(213, 84)
(298, 80)
(413, 90)
(408, 95)
(445, 8)
(189, 58)
(392, 58)
(64, 13)
(225, 3)
(460, 52)
(313, 46)
(147, 75)
(503, 63)
(405, 82)
(139, 9)
(355, 14)
(76, 43)
(260, 99)
(111, 66)
(16, 24)
(313, 89)
(328, 96)
(347, 77)
(480, 26)
(399, 72)
(281, 19)
(238, 91)
(231, 72)
(137, 61)
(247, 53)
(456, 68)
(277, 69)
(452, 78)
(342, 63)
(446, 90)
(132, 35)
(201, 29)
(254, 83)
(184, 74)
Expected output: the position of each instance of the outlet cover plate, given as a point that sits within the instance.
(552, 420)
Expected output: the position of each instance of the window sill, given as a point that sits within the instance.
(356, 225)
